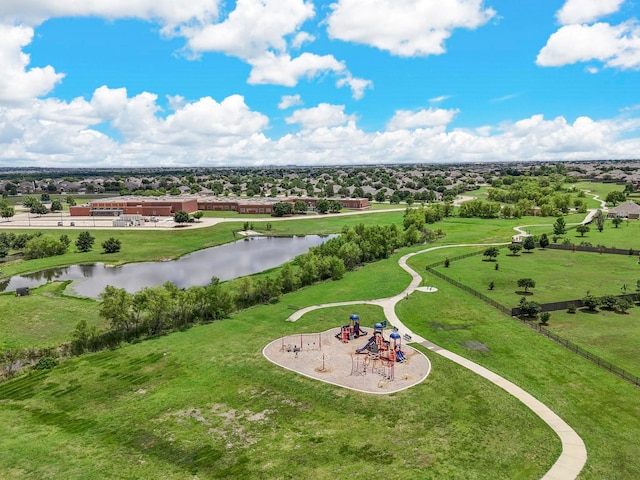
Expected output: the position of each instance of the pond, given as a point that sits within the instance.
(232, 260)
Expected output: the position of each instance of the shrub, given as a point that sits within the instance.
(111, 245)
(45, 363)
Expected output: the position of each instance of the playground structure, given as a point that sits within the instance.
(350, 331)
(390, 350)
(301, 342)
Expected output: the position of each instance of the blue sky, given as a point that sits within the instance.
(273, 82)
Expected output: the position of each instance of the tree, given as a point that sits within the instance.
(515, 248)
(529, 309)
(559, 227)
(85, 241)
(111, 245)
(7, 211)
(335, 206)
(42, 247)
(529, 243)
(544, 241)
(491, 285)
(280, 209)
(491, 253)
(180, 217)
(599, 218)
(582, 229)
(590, 302)
(29, 201)
(323, 205)
(38, 209)
(544, 318)
(71, 201)
(198, 215)
(526, 283)
(615, 197)
(617, 221)
(300, 206)
(380, 196)
(56, 206)
(447, 262)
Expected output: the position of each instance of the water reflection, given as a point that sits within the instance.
(229, 261)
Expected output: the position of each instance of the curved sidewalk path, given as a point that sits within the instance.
(574, 453)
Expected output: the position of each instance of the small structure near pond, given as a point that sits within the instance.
(22, 291)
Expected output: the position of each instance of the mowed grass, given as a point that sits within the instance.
(205, 402)
(45, 318)
(612, 336)
(559, 275)
(603, 409)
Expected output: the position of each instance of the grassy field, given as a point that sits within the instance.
(46, 318)
(612, 336)
(205, 403)
(603, 409)
(559, 275)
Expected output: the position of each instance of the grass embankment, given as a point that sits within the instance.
(205, 402)
(44, 319)
(559, 275)
(603, 409)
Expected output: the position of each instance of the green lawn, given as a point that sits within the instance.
(45, 318)
(612, 336)
(603, 409)
(205, 402)
(559, 275)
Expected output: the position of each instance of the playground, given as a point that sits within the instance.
(367, 359)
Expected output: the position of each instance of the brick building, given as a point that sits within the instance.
(167, 206)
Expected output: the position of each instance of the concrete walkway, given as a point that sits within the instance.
(574, 454)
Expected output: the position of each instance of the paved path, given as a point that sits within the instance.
(574, 454)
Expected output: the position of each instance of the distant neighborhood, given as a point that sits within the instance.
(393, 183)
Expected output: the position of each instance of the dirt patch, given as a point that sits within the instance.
(477, 346)
(324, 357)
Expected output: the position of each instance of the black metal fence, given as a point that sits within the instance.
(471, 291)
(585, 248)
(623, 374)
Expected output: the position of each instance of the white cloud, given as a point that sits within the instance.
(324, 115)
(505, 98)
(405, 27)
(288, 101)
(52, 134)
(168, 12)
(287, 71)
(357, 85)
(586, 11)
(439, 99)
(616, 46)
(18, 83)
(254, 27)
(432, 117)
(301, 38)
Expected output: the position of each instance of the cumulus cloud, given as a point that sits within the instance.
(209, 132)
(586, 11)
(253, 27)
(431, 117)
(167, 12)
(18, 83)
(405, 27)
(616, 46)
(288, 101)
(324, 115)
(59, 133)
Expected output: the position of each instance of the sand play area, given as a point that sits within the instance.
(324, 357)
